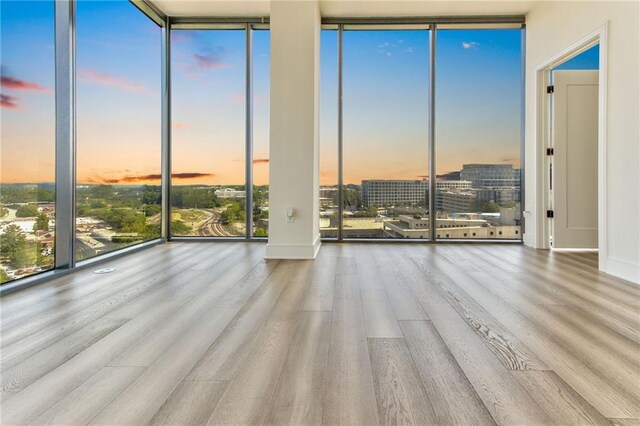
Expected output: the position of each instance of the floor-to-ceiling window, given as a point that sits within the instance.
(27, 157)
(385, 133)
(220, 132)
(329, 134)
(260, 126)
(208, 133)
(386, 138)
(118, 64)
(478, 133)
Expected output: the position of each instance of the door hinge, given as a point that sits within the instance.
(550, 214)
(550, 89)
(549, 151)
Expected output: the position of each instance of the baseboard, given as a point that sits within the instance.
(622, 269)
(293, 251)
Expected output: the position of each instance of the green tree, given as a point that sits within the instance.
(260, 232)
(21, 193)
(233, 213)
(105, 192)
(152, 230)
(97, 204)
(13, 245)
(42, 223)
(44, 194)
(42, 260)
(151, 210)
(151, 194)
(485, 207)
(3, 276)
(260, 196)
(351, 198)
(189, 197)
(27, 210)
(178, 227)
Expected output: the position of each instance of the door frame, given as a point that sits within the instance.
(543, 136)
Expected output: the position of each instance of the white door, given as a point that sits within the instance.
(574, 188)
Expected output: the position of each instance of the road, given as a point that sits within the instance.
(213, 227)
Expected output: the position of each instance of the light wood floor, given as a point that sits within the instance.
(201, 333)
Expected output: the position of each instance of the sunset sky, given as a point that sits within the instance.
(118, 123)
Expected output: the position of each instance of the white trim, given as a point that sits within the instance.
(574, 250)
(529, 240)
(542, 111)
(294, 251)
(622, 269)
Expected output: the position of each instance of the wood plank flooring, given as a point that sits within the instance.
(211, 333)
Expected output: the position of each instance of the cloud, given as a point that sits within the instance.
(423, 176)
(260, 161)
(191, 175)
(238, 97)
(207, 61)
(139, 178)
(469, 44)
(385, 48)
(202, 62)
(17, 84)
(180, 126)
(101, 78)
(9, 102)
(180, 37)
(148, 177)
(389, 48)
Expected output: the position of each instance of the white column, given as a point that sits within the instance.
(294, 174)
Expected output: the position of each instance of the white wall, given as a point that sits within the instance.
(294, 153)
(551, 27)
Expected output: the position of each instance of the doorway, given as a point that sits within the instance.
(572, 153)
(546, 211)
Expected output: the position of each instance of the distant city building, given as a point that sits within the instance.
(491, 175)
(394, 192)
(230, 193)
(455, 201)
(498, 195)
(327, 195)
(413, 227)
(453, 184)
(450, 176)
(510, 216)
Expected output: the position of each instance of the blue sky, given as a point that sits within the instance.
(587, 60)
(478, 91)
(118, 58)
(28, 104)
(478, 97)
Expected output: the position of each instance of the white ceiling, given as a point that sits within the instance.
(349, 8)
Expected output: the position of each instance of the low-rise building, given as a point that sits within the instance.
(230, 193)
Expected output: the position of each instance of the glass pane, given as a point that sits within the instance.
(208, 133)
(385, 134)
(329, 134)
(261, 57)
(118, 127)
(478, 119)
(587, 60)
(27, 165)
